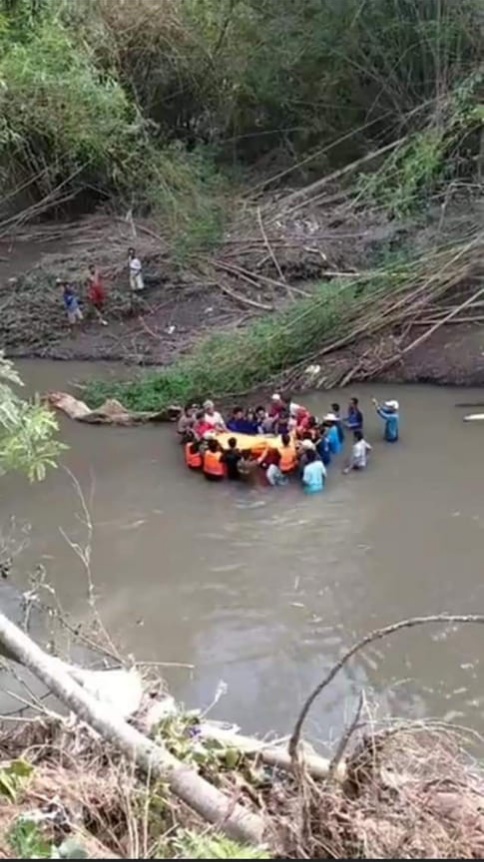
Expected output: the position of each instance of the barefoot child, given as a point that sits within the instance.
(71, 304)
(96, 293)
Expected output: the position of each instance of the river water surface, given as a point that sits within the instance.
(263, 588)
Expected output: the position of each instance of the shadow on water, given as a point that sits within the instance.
(263, 588)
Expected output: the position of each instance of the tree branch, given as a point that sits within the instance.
(377, 634)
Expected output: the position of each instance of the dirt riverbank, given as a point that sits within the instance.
(247, 277)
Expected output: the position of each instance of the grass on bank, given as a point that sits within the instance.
(234, 363)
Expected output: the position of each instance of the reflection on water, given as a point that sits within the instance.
(263, 588)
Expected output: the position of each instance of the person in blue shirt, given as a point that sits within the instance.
(339, 425)
(71, 303)
(323, 449)
(239, 424)
(334, 442)
(354, 419)
(388, 411)
(314, 473)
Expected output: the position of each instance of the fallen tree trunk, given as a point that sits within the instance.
(238, 823)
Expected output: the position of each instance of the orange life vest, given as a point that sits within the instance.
(212, 464)
(192, 459)
(288, 459)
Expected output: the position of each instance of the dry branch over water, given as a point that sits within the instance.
(404, 790)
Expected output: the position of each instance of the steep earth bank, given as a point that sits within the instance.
(245, 277)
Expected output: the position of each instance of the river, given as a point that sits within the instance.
(263, 588)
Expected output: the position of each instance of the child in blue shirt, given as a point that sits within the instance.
(71, 303)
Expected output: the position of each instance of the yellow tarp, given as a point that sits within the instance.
(256, 443)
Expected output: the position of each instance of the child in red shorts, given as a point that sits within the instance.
(96, 293)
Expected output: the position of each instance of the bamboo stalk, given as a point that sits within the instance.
(307, 192)
(244, 300)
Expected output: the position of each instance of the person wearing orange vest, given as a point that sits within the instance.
(288, 461)
(193, 456)
(213, 466)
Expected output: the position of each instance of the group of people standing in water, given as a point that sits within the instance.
(275, 441)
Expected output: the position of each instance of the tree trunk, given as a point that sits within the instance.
(186, 784)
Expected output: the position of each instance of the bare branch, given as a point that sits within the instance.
(377, 634)
(343, 743)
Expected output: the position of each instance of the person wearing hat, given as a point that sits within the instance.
(389, 412)
(334, 442)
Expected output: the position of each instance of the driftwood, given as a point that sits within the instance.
(111, 412)
(185, 783)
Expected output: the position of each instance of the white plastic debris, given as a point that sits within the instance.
(121, 690)
(159, 711)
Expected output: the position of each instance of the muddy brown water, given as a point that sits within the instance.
(263, 588)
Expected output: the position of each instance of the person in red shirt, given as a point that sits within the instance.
(276, 406)
(200, 426)
(96, 293)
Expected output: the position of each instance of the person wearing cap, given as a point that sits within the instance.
(336, 409)
(334, 442)
(71, 303)
(388, 411)
(212, 417)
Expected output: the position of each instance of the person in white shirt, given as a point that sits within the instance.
(136, 282)
(213, 417)
(359, 454)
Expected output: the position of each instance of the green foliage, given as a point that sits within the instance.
(27, 430)
(252, 75)
(189, 845)
(27, 842)
(147, 100)
(430, 156)
(13, 778)
(408, 175)
(57, 114)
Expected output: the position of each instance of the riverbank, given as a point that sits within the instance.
(312, 281)
(399, 789)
